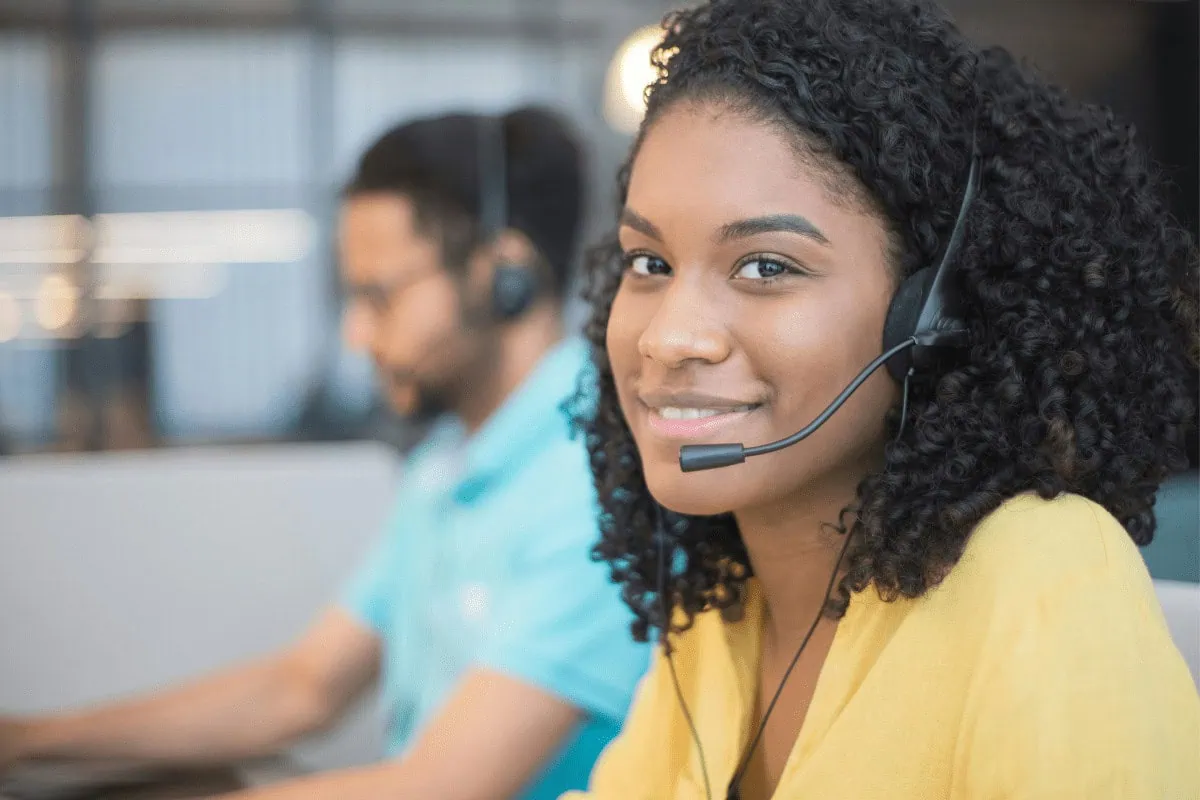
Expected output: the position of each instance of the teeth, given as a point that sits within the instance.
(672, 412)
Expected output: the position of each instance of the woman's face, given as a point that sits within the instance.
(753, 293)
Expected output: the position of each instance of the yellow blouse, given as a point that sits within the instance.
(1040, 669)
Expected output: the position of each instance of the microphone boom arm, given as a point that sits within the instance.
(696, 457)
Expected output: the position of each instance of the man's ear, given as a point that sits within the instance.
(511, 247)
(508, 247)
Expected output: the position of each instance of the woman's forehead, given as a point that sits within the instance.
(699, 172)
(706, 154)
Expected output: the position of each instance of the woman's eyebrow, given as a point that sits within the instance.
(739, 229)
(632, 219)
(774, 223)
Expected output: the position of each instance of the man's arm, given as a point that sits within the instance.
(243, 712)
(490, 739)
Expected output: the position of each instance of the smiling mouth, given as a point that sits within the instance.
(679, 412)
(684, 423)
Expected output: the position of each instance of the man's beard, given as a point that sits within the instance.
(470, 355)
(431, 403)
(427, 400)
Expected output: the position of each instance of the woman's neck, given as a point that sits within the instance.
(794, 548)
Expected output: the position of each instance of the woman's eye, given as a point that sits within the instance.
(646, 265)
(760, 269)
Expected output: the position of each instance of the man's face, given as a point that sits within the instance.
(403, 308)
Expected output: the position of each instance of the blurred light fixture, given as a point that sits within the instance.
(56, 303)
(159, 255)
(10, 317)
(42, 240)
(164, 237)
(628, 76)
(119, 282)
(204, 237)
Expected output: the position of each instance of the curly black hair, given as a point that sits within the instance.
(1079, 288)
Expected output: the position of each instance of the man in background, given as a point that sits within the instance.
(504, 650)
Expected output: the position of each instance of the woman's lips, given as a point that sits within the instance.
(691, 423)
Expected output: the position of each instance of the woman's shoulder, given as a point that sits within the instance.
(1060, 581)
(1034, 547)
(1074, 680)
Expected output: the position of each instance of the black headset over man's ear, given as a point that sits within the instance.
(514, 286)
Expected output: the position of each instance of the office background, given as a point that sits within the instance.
(193, 462)
(122, 326)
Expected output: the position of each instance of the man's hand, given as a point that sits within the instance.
(491, 738)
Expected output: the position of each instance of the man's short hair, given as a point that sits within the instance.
(439, 163)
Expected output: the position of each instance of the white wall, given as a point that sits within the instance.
(123, 572)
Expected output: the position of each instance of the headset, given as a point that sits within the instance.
(924, 319)
(514, 286)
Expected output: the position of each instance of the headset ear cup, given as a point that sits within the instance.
(902, 317)
(514, 288)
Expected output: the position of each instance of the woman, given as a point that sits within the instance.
(991, 630)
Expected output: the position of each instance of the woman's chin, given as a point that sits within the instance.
(698, 494)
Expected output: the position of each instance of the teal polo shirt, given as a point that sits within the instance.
(486, 563)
